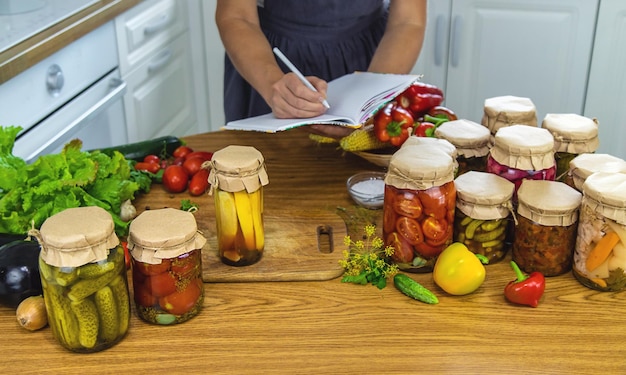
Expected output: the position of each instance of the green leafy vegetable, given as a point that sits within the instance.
(30, 193)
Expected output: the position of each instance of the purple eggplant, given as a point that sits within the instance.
(19, 272)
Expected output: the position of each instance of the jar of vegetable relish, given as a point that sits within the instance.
(545, 233)
(600, 255)
(83, 274)
(522, 152)
(237, 178)
(471, 141)
(167, 265)
(419, 205)
(503, 111)
(573, 135)
(483, 212)
(584, 165)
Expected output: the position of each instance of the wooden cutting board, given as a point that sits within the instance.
(299, 246)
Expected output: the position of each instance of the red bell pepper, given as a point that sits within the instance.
(424, 129)
(392, 123)
(420, 97)
(526, 289)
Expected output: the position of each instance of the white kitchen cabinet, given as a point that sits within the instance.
(606, 93)
(157, 62)
(540, 49)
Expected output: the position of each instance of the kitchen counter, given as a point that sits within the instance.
(22, 56)
(333, 327)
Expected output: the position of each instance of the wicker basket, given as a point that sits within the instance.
(377, 157)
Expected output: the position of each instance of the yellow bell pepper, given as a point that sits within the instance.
(458, 271)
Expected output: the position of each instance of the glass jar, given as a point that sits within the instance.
(436, 144)
(83, 274)
(573, 135)
(584, 165)
(545, 232)
(522, 152)
(419, 205)
(503, 111)
(166, 250)
(483, 212)
(471, 141)
(237, 178)
(600, 255)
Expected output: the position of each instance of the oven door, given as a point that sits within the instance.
(95, 116)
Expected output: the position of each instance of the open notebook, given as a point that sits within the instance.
(353, 98)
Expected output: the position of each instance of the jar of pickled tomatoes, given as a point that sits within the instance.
(503, 111)
(166, 250)
(436, 144)
(600, 254)
(419, 205)
(584, 165)
(522, 152)
(545, 233)
(573, 135)
(483, 214)
(471, 141)
(237, 178)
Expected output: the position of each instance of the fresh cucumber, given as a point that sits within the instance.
(162, 146)
(414, 289)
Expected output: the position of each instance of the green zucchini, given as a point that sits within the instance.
(162, 146)
(414, 289)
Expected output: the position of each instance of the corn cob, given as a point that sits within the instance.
(361, 140)
(321, 139)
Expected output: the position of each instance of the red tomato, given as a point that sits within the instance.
(410, 229)
(143, 296)
(389, 219)
(193, 165)
(161, 285)
(126, 254)
(199, 182)
(182, 151)
(407, 204)
(152, 159)
(147, 167)
(403, 251)
(434, 202)
(175, 179)
(434, 228)
(184, 267)
(427, 251)
(205, 155)
(182, 301)
(152, 269)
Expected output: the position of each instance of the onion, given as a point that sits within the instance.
(31, 313)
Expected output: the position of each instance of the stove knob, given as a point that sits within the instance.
(55, 80)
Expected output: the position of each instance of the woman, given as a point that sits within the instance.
(325, 39)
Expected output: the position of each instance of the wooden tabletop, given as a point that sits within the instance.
(333, 328)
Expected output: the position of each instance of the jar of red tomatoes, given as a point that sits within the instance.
(166, 254)
(419, 205)
(436, 144)
(483, 212)
(83, 274)
(503, 111)
(584, 165)
(600, 255)
(522, 152)
(471, 141)
(237, 178)
(573, 135)
(545, 233)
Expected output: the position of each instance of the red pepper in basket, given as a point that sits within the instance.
(526, 289)
(392, 123)
(420, 97)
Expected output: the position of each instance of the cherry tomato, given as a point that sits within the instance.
(441, 111)
(147, 167)
(161, 285)
(126, 254)
(143, 296)
(199, 182)
(427, 251)
(184, 267)
(182, 301)
(435, 229)
(152, 159)
(152, 269)
(434, 202)
(177, 161)
(182, 151)
(407, 204)
(192, 165)
(204, 155)
(410, 229)
(175, 179)
(403, 251)
(389, 219)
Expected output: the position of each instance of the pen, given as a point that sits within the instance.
(295, 70)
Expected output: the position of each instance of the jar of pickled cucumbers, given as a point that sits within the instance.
(545, 233)
(166, 250)
(471, 141)
(522, 152)
(483, 214)
(503, 111)
(419, 205)
(83, 274)
(237, 178)
(584, 165)
(600, 255)
(573, 135)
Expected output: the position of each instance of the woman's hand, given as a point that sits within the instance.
(290, 98)
(332, 131)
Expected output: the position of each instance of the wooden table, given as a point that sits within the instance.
(332, 327)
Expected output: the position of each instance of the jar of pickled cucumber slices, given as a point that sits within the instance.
(237, 178)
(83, 274)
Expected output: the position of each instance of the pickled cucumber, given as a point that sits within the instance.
(490, 225)
(60, 317)
(107, 313)
(119, 287)
(88, 322)
(471, 228)
(93, 270)
(65, 276)
(490, 236)
(86, 287)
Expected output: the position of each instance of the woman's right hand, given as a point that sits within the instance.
(290, 98)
